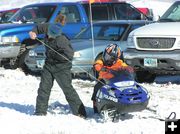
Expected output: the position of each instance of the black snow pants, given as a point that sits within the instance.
(62, 74)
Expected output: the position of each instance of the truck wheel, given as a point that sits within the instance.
(11, 64)
(18, 60)
(22, 57)
(144, 76)
(21, 63)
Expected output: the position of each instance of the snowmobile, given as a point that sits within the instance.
(120, 95)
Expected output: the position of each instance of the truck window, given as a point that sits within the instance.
(126, 12)
(5, 16)
(71, 12)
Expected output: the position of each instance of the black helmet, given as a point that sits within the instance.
(111, 53)
(54, 30)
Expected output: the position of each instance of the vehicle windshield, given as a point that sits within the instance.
(4, 16)
(33, 14)
(172, 14)
(120, 75)
(103, 32)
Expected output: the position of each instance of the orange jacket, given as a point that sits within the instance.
(105, 74)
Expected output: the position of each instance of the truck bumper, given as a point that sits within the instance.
(9, 51)
(81, 66)
(166, 61)
(36, 64)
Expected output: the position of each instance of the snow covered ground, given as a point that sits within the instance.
(18, 95)
(17, 103)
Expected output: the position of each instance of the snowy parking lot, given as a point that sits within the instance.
(18, 98)
(17, 103)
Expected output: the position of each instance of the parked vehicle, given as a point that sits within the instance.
(105, 32)
(6, 14)
(14, 37)
(155, 49)
(148, 12)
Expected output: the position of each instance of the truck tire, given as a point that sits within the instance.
(21, 58)
(13, 63)
(144, 76)
(16, 62)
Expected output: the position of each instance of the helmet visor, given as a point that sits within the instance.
(109, 60)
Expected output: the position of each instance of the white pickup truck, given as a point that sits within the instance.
(155, 48)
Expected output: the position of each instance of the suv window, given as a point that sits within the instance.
(103, 32)
(99, 11)
(111, 11)
(71, 12)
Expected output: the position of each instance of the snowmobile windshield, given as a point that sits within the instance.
(120, 76)
(33, 14)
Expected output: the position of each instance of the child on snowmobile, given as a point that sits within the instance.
(110, 61)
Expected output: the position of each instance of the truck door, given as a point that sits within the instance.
(74, 19)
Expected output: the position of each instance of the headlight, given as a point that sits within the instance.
(32, 53)
(178, 44)
(77, 54)
(9, 39)
(124, 83)
(130, 42)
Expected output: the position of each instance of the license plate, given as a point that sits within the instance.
(40, 63)
(150, 62)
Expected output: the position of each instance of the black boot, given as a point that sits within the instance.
(82, 112)
(40, 113)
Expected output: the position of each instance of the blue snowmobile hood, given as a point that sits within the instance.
(122, 93)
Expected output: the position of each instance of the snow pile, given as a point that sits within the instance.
(17, 103)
